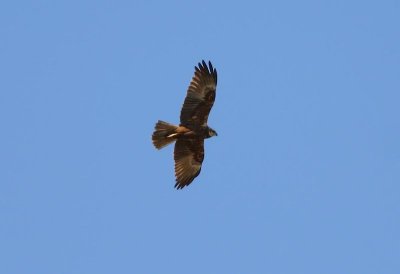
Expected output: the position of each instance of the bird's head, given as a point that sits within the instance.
(211, 132)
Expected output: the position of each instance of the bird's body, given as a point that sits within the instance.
(193, 128)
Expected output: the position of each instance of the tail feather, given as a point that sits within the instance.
(162, 134)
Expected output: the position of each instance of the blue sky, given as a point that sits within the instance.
(302, 178)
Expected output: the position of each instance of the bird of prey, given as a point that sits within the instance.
(193, 128)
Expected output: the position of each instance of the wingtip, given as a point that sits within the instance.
(203, 65)
(179, 186)
(209, 68)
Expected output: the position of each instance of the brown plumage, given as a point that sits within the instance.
(193, 128)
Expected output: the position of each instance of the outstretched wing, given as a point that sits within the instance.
(200, 96)
(188, 156)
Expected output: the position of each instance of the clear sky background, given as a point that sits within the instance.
(303, 177)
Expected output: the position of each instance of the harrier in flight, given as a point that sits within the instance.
(193, 128)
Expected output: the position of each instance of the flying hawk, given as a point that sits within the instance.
(193, 128)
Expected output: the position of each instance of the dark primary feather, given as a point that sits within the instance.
(200, 96)
(188, 156)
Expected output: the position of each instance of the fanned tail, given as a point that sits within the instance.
(162, 134)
